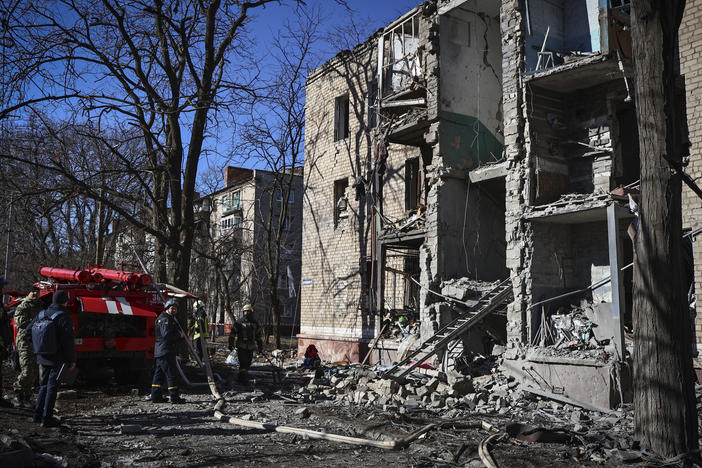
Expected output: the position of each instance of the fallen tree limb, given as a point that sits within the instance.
(383, 444)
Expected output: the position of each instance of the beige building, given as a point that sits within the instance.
(392, 136)
(240, 234)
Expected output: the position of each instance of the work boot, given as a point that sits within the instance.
(157, 399)
(178, 400)
(21, 400)
(50, 422)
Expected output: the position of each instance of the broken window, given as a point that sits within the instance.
(401, 66)
(286, 310)
(341, 117)
(340, 201)
(412, 189)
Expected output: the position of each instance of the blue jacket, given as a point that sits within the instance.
(64, 328)
(167, 335)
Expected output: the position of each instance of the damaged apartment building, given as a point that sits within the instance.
(405, 183)
(473, 167)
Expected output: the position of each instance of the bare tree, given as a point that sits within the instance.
(169, 69)
(275, 138)
(49, 221)
(665, 414)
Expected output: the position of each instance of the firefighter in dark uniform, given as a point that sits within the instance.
(246, 333)
(168, 336)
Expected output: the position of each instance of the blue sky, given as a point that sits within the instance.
(367, 15)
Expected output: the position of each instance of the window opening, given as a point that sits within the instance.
(341, 117)
(340, 201)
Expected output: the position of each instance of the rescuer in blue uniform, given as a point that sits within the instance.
(168, 335)
(51, 363)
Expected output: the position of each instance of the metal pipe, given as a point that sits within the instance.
(76, 276)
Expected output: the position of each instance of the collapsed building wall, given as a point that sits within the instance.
(433, 202)
(570, 142)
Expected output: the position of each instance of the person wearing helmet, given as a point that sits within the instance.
(168, 336)
(403, 326)
(246, 334)
(199, 327)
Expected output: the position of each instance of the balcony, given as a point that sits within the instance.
(231, 207)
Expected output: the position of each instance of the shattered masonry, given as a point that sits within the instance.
(472, 142)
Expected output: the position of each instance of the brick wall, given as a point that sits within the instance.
(333, 302)
(690, 40)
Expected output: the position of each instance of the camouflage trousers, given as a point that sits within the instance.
(28, 376)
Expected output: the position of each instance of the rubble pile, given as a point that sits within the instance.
(500, 399)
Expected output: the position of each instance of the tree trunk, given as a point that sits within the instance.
(664, 402)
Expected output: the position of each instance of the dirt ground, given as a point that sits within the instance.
(106, 425)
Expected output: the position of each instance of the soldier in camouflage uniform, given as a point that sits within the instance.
(28, 376)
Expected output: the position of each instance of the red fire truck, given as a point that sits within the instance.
(113, 317)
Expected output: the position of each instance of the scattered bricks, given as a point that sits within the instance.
(443, 388)
(484, 381)
(463, 386)
(432, 384)
(359, 397)
(303, 412)
(412, 400)
(385, 387)
(424, 391)
(437, 397)
(426, 399)
(397, 399)
(438, 403)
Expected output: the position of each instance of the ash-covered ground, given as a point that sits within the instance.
(104, 424)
